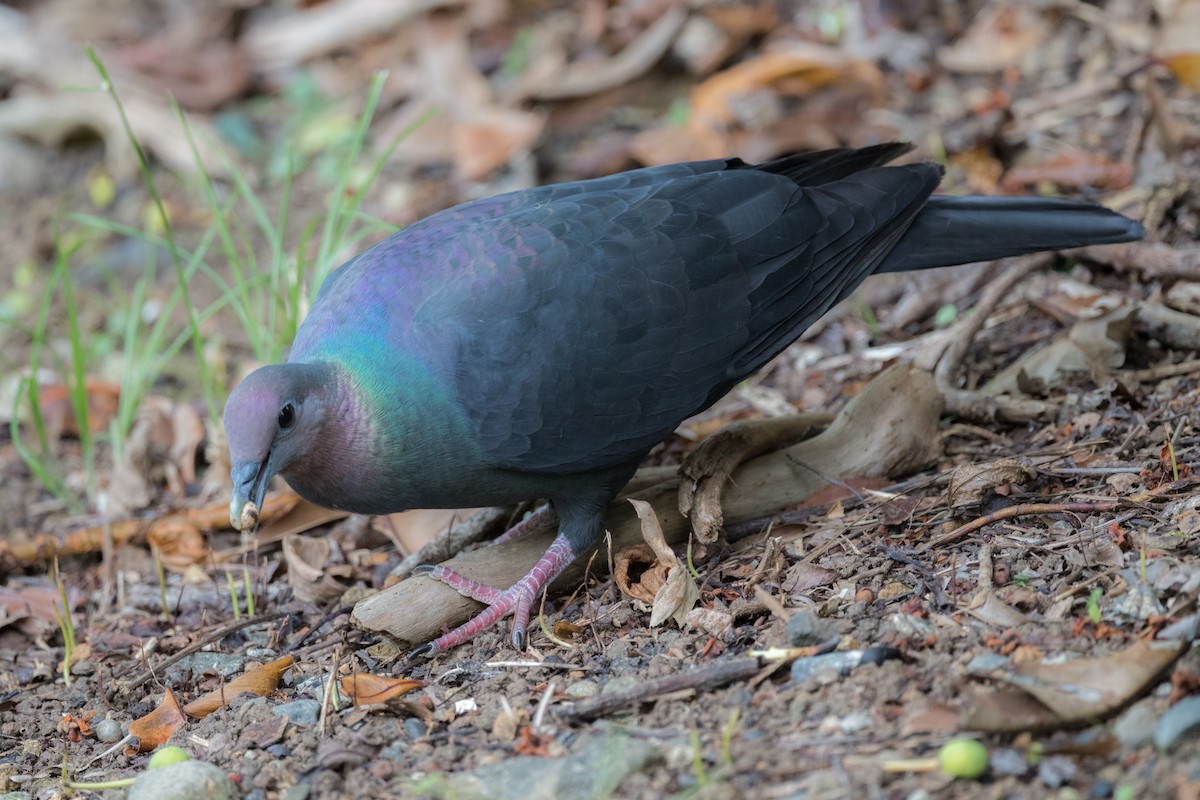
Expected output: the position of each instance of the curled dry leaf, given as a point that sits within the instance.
(1093, 346)
(178, 543)
(679, 593)
(637, 573)
(150, 731)
(972, 483)
(365, 689)
(311, 575)
(160, 450)
(261, 681)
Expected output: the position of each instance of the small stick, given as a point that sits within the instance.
(963, 531)
(710, 676)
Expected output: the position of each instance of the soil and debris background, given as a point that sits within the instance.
(1027, 578)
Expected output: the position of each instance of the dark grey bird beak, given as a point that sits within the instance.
(249, 486)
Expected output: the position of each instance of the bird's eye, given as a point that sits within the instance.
(287, 416)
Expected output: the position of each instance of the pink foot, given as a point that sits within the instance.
(517, 598)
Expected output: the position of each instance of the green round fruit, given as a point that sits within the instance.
(167, 756)
(963, 758)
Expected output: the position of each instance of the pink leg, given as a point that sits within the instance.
(517, 599)
(541, 519)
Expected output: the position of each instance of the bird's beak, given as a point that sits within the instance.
(250, 480)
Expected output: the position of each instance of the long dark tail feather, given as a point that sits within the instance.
(826, 166)
(960, 230)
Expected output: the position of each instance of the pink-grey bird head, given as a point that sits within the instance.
(272, 420)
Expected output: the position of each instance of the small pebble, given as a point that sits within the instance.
(620, 684)
(805, 629)
(1180, 720)
(414, 728)
(108, 731)
(301, 712)
(1055, 771)
(1135, 726)
(856, 722)
(83, 666)
(582, 689)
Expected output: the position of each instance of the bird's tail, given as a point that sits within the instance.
(960, 230)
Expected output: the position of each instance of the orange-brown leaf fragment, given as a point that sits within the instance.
(1185, 67)
(366, 689)
(150, 731)
(261, 681)
(59, 414)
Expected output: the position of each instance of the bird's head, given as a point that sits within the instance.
(272, 419)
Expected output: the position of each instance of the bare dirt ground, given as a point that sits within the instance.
(1020, 571)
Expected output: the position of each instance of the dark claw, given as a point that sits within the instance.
(518, 638)
(424, 651)
(423, 569)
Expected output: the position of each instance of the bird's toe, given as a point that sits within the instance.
(424, 651)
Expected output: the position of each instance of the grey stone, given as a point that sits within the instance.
(187, 780)
(301, 712)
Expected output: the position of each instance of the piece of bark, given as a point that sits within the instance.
(890, 428)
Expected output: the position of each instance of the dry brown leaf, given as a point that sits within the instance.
(805, 576)
(1092, 346)
(366, 689)
(59, 415)
(989, 608)
(1074, 169)
(714, 102)
(483, 134)
(637, 574)
(412, 530)
(972, 483)
(261, 681)
(1178, 47)
(593, 76)
(679, 593)
(508, 722)
(709, 39)
(731, 99)
(980, 168)
(1051, 695)
(300, 516)
(150, 731)
(33, 608)
(310, 574)
(178, 543)
(566, 630)
(491, 137)
(999, 37)
(1185, 67)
